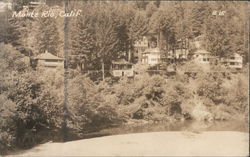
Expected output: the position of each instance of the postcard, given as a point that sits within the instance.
(124, 78)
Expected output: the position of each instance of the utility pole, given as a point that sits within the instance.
(103, 70)
(66, 57)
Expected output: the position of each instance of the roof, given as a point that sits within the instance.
(201, 52)
(121, 61)
(48, 56)
(237, 55)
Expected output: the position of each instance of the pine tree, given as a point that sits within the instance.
(200, 13)
(82, 44)
(48, 36)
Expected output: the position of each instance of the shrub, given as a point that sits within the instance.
(88, 111)
(209, 86)
(237, 92)
(7, 124)
(39, 108)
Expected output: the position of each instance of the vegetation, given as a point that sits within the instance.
(33, 104)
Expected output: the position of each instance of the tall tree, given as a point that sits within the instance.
(200, 13)
(82, 41)
(47, 35)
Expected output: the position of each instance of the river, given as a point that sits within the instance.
(189, 125)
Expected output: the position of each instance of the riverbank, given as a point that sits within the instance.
(212, 143)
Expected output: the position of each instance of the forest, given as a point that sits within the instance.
(34, 107)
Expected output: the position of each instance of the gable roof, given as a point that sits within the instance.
(236, 55)
(48, 56)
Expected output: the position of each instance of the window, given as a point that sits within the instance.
(232, 63)
(129, 66)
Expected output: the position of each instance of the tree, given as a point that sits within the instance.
(88, 110)
(150, 9)
(162, 23)
(137, 27)
(82, 44)
(200, 13)
(7, 124)
(39, 108)
(47, 35)
(105, 37)
(12, 64)
(224, 37)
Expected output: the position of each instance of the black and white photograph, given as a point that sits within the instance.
(124, 78)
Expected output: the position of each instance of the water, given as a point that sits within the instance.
(190, 125)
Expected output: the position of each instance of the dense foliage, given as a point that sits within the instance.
(37, 105)
(106, 31)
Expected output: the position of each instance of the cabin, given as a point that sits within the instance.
(122, 68)
(49, 60)
(234, 61)
(201, 56)
(151, 56)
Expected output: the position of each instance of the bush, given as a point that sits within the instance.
(237, 92)
(39, 108)
(87, 108)
(7, 124)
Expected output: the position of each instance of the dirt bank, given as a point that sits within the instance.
(220, 143)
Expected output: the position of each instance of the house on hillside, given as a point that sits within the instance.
(151, 56)
(139, 47)
(180, 54)
(5, 6)
(201, 56)
(48, 60)
(234, 61)
(122, 68)
(34, 3)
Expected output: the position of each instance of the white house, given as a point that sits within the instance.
(122, 68)
(234, 61)
(139, 47)
(49, 61)
(202, 56)
(151, 56)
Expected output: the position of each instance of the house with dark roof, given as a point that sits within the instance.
(49, 60)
